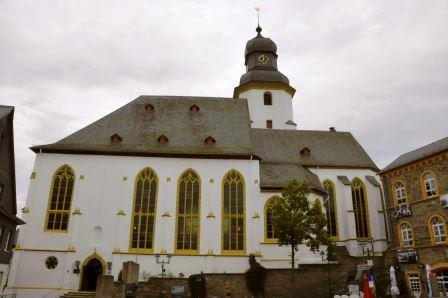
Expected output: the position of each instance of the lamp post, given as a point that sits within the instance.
(162, 264)
(368, 247)
(322, 254)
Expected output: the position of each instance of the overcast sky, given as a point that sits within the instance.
(376, 68)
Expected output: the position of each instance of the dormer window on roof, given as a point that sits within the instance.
(149, 107)
(210, 140)
(305, 151)
(162, 139)
(194, 109)
(115, 138)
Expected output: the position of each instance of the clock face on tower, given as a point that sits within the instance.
(263, 59)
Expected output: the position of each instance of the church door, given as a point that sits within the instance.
(90, 273)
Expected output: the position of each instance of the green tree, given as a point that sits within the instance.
(297, 221)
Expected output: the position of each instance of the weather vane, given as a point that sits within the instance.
(257, 8)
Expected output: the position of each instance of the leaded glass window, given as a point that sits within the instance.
(360, 208)
(188, 208)
(58, 210)
(233, 212)
(144, 210)
(271, 233)
(330, 207)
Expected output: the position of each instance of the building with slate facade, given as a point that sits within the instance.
(194, 177)
(416, 193)
(8, 207)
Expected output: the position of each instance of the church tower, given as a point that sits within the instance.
(267, 90)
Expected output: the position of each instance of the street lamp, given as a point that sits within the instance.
(162, 264)
(322, 255)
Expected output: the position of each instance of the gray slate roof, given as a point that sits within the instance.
(225, 119)
(277, 175)
(328, 149)
(414, 155)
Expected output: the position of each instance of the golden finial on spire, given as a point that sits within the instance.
(258, 8)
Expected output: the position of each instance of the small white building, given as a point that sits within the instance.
(189, 176)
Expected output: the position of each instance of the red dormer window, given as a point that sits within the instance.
(305, 151)
(162, 139)
(149, 107)
(115, 138)
(210, 140)
(194, 109)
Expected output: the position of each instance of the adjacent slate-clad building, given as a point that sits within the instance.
(8, 207)
(194, 177)
(416, 190)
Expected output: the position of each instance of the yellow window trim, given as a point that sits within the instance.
(155, 180)
(422, 183)
(394, 193)
(268, 204)
(431, 232)
(71, 174)
(188, 172)
(223, 216)
(335, 204)
(400, 235)
(69, 249)
(366, 199)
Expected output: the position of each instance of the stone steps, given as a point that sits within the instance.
(80, 294)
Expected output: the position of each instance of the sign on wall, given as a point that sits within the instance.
(407, 256)
(402, 211)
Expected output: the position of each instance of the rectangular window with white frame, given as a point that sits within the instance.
(415, 286)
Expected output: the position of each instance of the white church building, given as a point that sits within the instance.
(193, 177)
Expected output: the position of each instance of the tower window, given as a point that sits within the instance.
(267, 99)
(268, 123)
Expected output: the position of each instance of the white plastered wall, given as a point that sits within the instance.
(103, 192)
(279, 112)
(344, 205)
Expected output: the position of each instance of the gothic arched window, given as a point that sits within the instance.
(360, 208)
(233, 213)
(59, 203)
(270, 232)
(188, 210)
(144, 210)
(330, 207)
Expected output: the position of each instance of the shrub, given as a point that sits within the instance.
(255, 277)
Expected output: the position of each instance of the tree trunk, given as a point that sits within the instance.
(292, 257)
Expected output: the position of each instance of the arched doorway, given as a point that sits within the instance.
(91, 269)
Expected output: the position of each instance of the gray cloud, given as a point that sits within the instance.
(377, 69)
